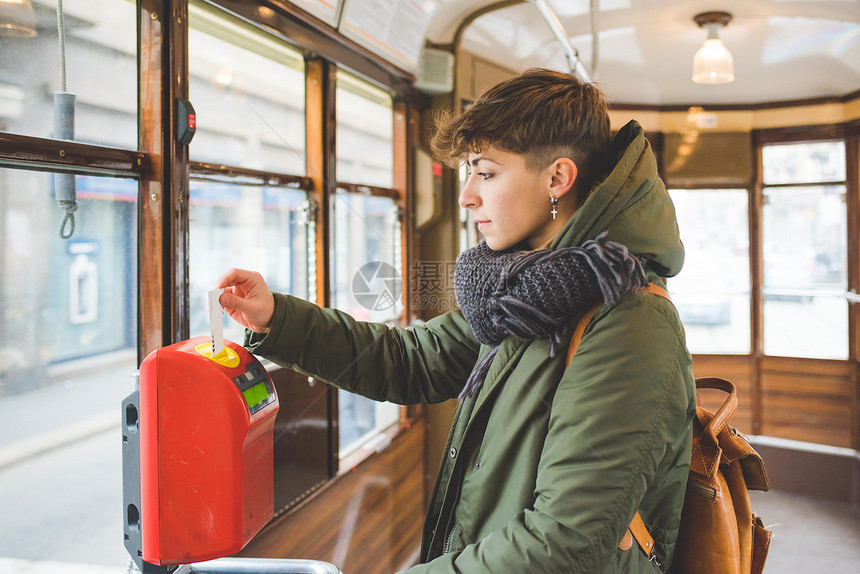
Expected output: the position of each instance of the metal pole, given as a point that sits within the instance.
(573, 60)
(259, 566)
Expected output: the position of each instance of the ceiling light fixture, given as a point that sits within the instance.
(16, 19)
(713, 63)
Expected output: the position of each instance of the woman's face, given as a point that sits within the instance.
(510, 202)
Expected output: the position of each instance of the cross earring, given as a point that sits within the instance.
(553, 201)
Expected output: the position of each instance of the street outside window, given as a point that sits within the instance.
(67, 353)
(68, 307)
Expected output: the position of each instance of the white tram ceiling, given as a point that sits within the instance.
(783, 49)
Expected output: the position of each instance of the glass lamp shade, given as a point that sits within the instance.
(16, 19)
(713, 63)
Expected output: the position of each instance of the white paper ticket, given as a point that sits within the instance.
(216, 321)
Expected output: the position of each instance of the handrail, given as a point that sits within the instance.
(805, 292)
(63, 156)
(571, 53)
(259, 566)
(208, 171)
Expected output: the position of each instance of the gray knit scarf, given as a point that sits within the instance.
(534, 294)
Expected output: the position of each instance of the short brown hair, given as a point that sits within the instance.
(542, 115)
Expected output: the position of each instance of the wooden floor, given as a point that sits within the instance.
(810, 536)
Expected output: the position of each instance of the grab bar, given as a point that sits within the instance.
(259, 566)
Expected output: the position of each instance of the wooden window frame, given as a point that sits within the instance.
(804, 134)
(836, 374)
(403, 137)
(775, 390)
(325, 51)
(31, 153)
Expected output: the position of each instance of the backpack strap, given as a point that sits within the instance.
(579, 331)
(639, 532)
(637, 529)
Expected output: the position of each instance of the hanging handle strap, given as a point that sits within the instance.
(636, 530)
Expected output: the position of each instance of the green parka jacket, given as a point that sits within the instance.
(547, 464)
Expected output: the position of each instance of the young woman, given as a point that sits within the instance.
(546, 463)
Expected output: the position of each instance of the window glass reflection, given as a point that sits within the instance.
(367, 278)
(712, 291)
(367, 285)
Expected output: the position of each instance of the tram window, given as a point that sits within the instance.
(814, 162)
(468, 229)
(100, 41)
(367, 285)
(366, 271)
(260, 228)
(365, 133)
(248, 89)
(712, 291)
(805, 271)
(66, 361)
(367, 257)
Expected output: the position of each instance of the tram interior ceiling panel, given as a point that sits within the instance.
(305, 156)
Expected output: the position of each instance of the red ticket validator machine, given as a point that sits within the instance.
(197, 455)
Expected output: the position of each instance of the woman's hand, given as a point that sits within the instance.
(247, 299)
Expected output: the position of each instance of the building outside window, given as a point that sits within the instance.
(67, 354)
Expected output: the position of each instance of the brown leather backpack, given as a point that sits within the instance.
(719, 534)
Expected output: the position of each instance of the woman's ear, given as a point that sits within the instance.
(563, 174)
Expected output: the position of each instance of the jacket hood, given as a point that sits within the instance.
(632, 205)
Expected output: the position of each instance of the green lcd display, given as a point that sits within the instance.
(256, 395)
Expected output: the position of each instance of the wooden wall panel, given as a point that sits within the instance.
(735, 369)
(808, 400)
(365, 521)
(801, 399)
(712, 159)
